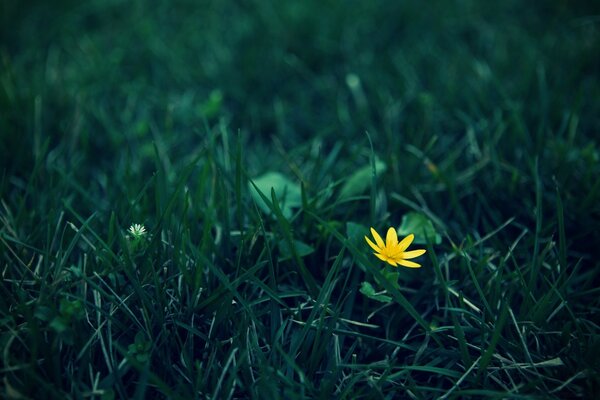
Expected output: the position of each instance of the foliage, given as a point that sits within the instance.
(257, 141)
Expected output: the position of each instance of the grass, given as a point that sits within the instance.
(481, 119)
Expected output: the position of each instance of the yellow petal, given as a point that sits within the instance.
(373, 245)
(396, 251)
(392, 262)
(386, 259)
(391, 239)
(413, 253)
(378, 238)
(406, 242)
(409, 264)
(381, 257)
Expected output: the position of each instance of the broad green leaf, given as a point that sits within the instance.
(108, 395)
(302, 249)
(421, 227)
(390, 275)
(360, 180)
(367, 289)
(211, 106)
(288, 192)
(59, 324)
(71, 309)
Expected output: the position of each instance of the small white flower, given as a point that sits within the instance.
(137, 230)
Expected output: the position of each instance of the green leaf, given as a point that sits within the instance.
(367, 289)
(142, 357)
(76, 271)
(391, 276)
(211, 106)
(71, 309)
(302, 249)
(288, 192)
(421, 227)
(108, 394)
(360, 180)
(59, 324)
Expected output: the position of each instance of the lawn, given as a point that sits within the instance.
(186, 188)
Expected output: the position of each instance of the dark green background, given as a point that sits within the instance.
(482, 112)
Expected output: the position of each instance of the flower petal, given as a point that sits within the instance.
(378, 238)
(403, 245)
(373, 245)
(391, 239)
(381, 257)
(409, 264)
(412, 254)
(386, 259)
(392, 262)
(396, 252)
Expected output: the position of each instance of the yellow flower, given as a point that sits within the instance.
(393, 252)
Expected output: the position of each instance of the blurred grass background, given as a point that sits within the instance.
(464, 82)
(482, 112)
